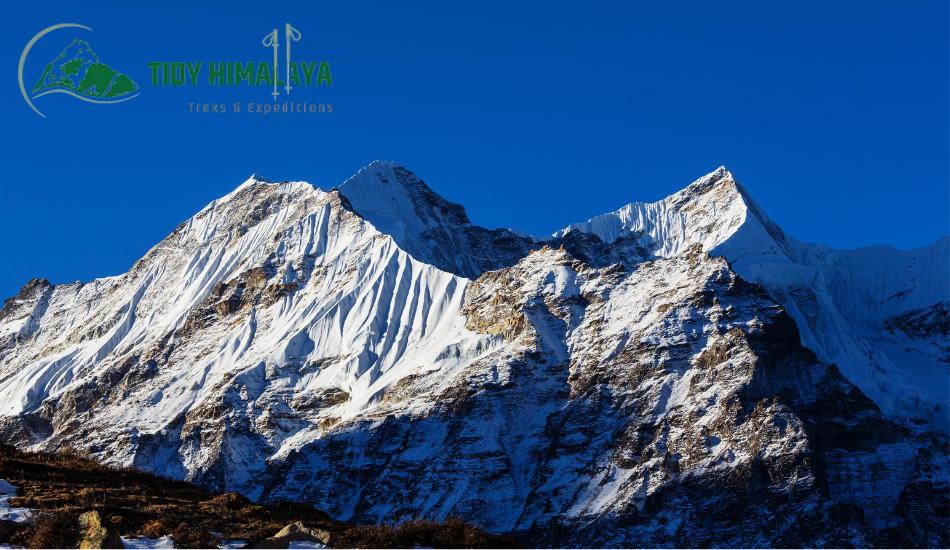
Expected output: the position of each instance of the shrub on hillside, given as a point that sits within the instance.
(52, 530)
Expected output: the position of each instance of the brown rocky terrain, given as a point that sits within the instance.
(75, 500)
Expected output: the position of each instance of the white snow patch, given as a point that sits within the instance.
(7, 512)
(147, 543)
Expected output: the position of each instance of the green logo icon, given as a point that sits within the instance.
(78, 70)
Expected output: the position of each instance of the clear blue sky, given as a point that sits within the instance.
(533, 115)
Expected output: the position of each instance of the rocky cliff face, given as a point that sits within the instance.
(368, 350)
(843, 301)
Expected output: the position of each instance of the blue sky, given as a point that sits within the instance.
(533, 115)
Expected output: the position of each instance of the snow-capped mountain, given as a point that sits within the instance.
(678, 372)
(848, 304)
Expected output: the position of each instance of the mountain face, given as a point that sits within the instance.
(676, 373)
(848, 304)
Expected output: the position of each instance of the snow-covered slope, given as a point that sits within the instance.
(846, 302)
(427, 226)
(370, 351)
(280, 283)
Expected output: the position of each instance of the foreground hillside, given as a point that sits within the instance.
(58, 488)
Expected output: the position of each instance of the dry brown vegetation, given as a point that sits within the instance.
(449, 534)
(60, 487)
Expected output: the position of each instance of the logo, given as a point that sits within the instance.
(77, 72)
(278, 73)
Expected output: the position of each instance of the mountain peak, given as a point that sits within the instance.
(707, 211)
(251, 181)
(720, 179)
(390, 174)
(427, 226)
(378, 163)
(398, 202)
(258, 178)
